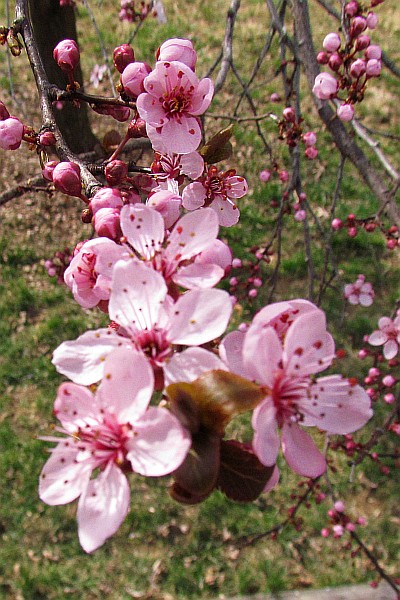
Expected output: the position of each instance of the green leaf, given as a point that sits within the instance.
(218, 147)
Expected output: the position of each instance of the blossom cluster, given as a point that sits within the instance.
(352, 59)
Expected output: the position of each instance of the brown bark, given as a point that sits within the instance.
(51, 24)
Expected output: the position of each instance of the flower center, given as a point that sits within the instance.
(154, 344)
(104, 442)
(176, 102)
(286, 394)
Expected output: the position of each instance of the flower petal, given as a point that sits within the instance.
(190, 364)
(266, 439)
(262, 352)
(103, 507)
(75, 406)
(300, 451)
(192, 234)
(144, 228)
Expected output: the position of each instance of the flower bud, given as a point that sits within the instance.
(322, 58)
(66, 55)
(133, 76)
(137, 128)
(331, 42)
(335, 62)
(373, 51)
(48, 169)
(274, 97)
(358, 25)
(309, 138)
(351, 8)
(265, 175)
(122, 56)
(300, 215)
(325, 86)
(4, 114)
(115, 172)
(311, 152)
(373, 68)
(119, 113)
(178, 49)
(345, 112)
(67, 178)
(11, 133)
(284, 176)
(106, 198)
(372, 20)
(106, 222)
(47, 138)
(362, 42)
(289, 114)
(358, 67)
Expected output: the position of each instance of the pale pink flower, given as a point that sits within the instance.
(218, 190)
(325, 86)
(283, 355)
(345, 112)
(89, 273)
(172, 254)
(331, 42)
(175, 165)
(173, 100)
(387, 335)
(360, 292)
(146, 319)
(111, 431)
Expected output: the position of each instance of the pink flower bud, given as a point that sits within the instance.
(362, 354)
(335, 62)
(48, 169)
(339, 506)
(11, 133)
(122, 56)
(4, 114)
(233, 281)
(338, 531)
(363, 41)
(47, 138)
(373, 51)
(133, 76)
(372, 20)
(389, 398)
(289, 114)
(351, 8)
(389, 381)
(325, 86)
(325, 532)
(178, 49)
(350, 527)
(362, 521)
(345, 112)
(107, 223)
(311, 152)
(358, 68)
(265, 175)
(358, 25)
(284, 176)
(322, 58)
(274, 97)
(252, 293)
(137, 128)
(331, 42)
(374, 67)
(106, 198)
(309, 138)
(300, 215)
(236, 263)
(67, 178)
(115, 172)
(119, 113)
(66, 55)
(352, 232)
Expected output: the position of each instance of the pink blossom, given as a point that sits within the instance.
(372, 20)
(178, 50)
(345, 112)
(373, 68)
(265, 175)
(66, 55)
(11, 133)
(331, 42)
(358, 68)
(359, 292)
(106, 222)
(133, 76)
(311, 152)
(325, 86)
(387, 335)
(168, 204)
(112, 429)
(173, 254)
(174, 165)
(217, 190)
(173, 100)
(67, 178)
(89, 273)
(106, 198)
(284, 355)
(146, 319)
(48, 169)
(309, 138)
(373, 51)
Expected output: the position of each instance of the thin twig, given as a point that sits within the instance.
(226, 60)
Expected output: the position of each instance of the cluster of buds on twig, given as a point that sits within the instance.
(339, 521)
(370, 225)
(353, 60)
(291, 130)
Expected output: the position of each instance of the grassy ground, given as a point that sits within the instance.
(164, 550)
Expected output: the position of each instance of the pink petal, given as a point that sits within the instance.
(190, 364)
(198, 276)
(191, 164)
(227, 212)
(377, 338)
(168, 204)
(193, 196)
(366, 300)
(390, 349)
(144, 228)
(217, 253)
(237, 187)
(337, 406)
(82, 360)
(193, 233)
(272, 481)
(262, 352)
(280, 315)
(127, 385)
(136, 296)
(200, 316)
(160, 443)
(102, 508)
(300, 451)
(202, 97)
(63, 478)
(231, 352)
(151, 110)
(75, 406)
(308, 347)
(266, 439)
(183, 136)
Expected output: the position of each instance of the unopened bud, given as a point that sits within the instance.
(115, 172)
(67, 178)
(66, 55)
(122, 56)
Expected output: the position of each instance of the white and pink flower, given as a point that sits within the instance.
(360, 292)
(388, 336)
(113, 431)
